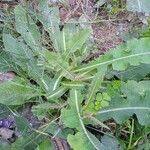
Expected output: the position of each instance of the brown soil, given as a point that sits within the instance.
(106, 30)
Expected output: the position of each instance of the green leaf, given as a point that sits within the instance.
(79, 141)
(103, 60)
(4, 111)
(56, 93)
(95, 85)
(135, 73)
(22, 124)
(53, 128)
(27, 28)
(6, 63)
(17, 92)
(57, 80)
(99, 3)
(56, 61)
(70, 29)
(28, 142)
(74, 102)
(73, 84)
(41, 110)
(72, 118)
(49, 17)
(138, 5)
(132, 53)
(136, 101)
(76, 42)
(111, 143)
(45, 145)
(22, 56)
(17, 49)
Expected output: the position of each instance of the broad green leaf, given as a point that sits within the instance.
(70, 116)
(95, 64)
(6, 63)
(17, 48)
(136, 102)
(45, 145)
(4, 111)
(49, 17)
(138, 5)
(53, 128)
(27, 28)
(70, 29)
(22, 56)
(80, 141)
(111, 143)
(134, 73)
(57, 80)
(22, 125)
(28, 142)
(132, 53)
(145, 145)
(73, 118)
(17, 92)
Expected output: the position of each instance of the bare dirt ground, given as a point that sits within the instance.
(108, 30)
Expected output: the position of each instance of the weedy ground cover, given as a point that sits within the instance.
(102, 104)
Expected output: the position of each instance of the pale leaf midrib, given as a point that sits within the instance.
(123, 109)
(81, 122)
(110, 61)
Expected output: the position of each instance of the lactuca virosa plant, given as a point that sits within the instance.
(56, 79)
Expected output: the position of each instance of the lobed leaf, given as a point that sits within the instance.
(27, 28)
(23, 56)
(49, 17)
(133, 53)
(72, 118)
(135, 101)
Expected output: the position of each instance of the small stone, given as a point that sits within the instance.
(6, 134)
